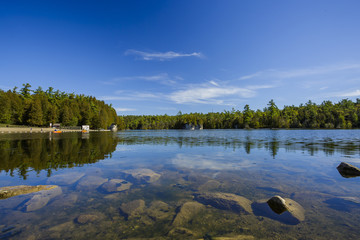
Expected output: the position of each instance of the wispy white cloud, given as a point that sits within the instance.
(214, 83)
(161, 78)
(161, 56)
(209, 94)
(257, 74)
(355, 93)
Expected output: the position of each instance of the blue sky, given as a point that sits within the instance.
(157, 57)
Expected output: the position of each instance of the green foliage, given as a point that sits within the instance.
(39, 108)
(344, 114)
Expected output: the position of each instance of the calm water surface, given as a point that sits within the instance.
(143, 184)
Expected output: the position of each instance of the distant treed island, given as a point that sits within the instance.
(40, 108)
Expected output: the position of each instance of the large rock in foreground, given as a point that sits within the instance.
(284, 210)
(11, 191)
(277, 204)
(225, 201)
(347, 170)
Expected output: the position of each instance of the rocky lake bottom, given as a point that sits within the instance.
(180, 185)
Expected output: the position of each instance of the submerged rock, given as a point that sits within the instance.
(225, 201)
(143, 175)
(11, 191)
(133, 208)
(159, 210)
(187, 211)
(116, 185)
(347, 170)
(284, 210)
(90, 182)
(41, 199)
(88, 218)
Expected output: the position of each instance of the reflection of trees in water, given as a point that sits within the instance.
(24, 155)
(273, 144)
(71, 149)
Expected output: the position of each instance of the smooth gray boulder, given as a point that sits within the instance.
(277, 204)
(284, 210)
(347, 170)
(225, 201)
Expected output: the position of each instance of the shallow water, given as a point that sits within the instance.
(143, 184)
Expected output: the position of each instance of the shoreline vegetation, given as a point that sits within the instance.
(38, 108)
(27, 129)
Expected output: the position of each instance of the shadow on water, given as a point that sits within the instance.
(341, 204)
(263, 209)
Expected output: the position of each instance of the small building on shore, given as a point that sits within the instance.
(193, 126)
(113, 127)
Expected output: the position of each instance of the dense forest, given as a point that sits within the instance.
(40, 108)
(344, 114)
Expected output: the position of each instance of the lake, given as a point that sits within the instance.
(177, 184)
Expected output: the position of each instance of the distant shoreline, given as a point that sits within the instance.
(36, 130)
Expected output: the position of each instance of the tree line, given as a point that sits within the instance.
(328, 115)
(40, 108)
